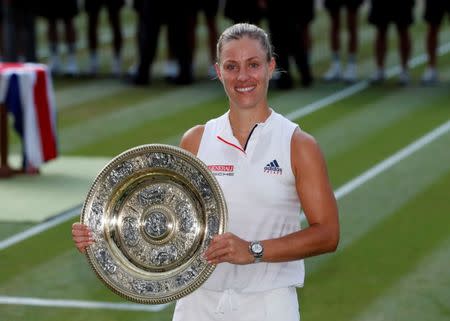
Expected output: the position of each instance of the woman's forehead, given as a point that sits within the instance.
(243, 47)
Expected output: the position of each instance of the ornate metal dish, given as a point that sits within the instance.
(153, 210)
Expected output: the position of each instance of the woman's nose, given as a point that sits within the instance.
(243, 74)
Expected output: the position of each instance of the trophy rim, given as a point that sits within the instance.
(218, 193)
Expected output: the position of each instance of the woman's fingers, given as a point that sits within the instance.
(82, 236)
(228, 248)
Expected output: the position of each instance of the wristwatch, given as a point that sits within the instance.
(257, 250)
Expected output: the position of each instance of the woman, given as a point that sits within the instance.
(272, 167)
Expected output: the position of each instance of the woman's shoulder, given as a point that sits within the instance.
(302, 141)
(306, 152)
(191, 138)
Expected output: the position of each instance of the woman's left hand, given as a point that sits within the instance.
(229, 248)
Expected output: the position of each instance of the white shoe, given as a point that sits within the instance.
(54, 64)
(71, 66)
(333, 73)
(404, 79)
(93, 65)
(171, 69)
(132, 70)
(349, 74)
(378, 76)
(430, 76)
(116, 66)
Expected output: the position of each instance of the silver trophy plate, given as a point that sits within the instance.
(153, 211)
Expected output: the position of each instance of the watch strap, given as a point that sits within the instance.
(256, 254)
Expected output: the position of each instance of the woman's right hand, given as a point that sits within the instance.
(82, 236)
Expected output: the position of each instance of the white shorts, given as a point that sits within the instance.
(205, 305)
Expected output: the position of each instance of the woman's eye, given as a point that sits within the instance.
(230, 67)
(254, 65)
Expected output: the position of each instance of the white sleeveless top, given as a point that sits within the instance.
(259, 188)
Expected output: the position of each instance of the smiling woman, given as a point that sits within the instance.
(268, 170)
(260, 259)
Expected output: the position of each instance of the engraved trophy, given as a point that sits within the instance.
(153, 210)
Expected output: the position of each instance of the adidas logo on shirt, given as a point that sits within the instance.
(273, 168)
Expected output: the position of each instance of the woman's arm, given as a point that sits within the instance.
(318, 202)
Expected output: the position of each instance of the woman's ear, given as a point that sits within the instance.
(217, 67)
(272, 65)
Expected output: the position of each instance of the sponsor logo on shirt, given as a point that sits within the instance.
(222, 170)
(273, 168)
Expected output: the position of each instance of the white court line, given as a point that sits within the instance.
(327, 101)
(40, 228)
(392, 160)
(340, 192)
(10, 300)
(389, 162)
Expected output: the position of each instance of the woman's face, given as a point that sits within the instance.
(245, 73)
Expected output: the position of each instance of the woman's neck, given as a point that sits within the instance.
(243, 121)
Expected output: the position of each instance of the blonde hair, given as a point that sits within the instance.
(240, 30)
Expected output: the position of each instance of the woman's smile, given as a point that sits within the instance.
(245, 89)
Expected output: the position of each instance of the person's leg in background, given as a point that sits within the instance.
(433, 16)
(352, 9)
(70, 38)
(404, 46)
(380, 48)
(178, 24)
(92, 8)
(150, 21)
(53, 42)
(333, 9)
(114, 8)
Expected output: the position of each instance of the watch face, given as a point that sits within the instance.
(257, 248)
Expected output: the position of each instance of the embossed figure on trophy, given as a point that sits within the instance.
(130, 231)
(156, 225)
(152, 195)
(164, 256)
(186, 277)
(146, 287)
(123, 170)
(161, 160)
(105, 261)
(185, 214)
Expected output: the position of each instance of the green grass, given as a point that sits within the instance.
(155, 131)
(387, 140)
(362, 272)
(115, 101)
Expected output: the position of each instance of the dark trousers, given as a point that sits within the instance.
(152, 16)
